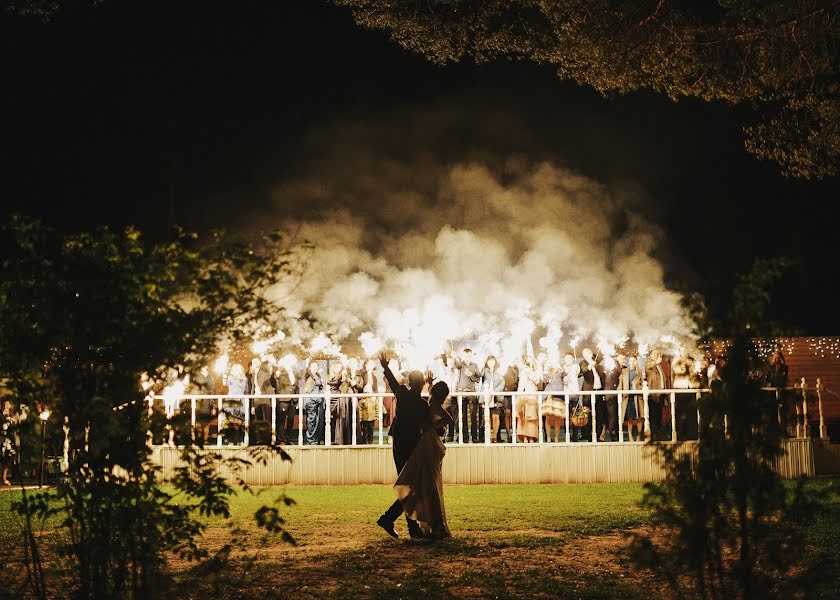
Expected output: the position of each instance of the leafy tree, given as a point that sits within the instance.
(84, 316)
(735, 525)
(777, 57)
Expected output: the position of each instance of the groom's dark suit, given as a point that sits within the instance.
(411, 413)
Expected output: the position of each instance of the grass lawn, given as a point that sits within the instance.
(518, 541)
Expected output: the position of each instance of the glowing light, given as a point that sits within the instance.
(221, 364)
(260, 346)
(323, 345)
(287, 361)
(371, 345)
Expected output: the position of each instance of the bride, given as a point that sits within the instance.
(420, 484)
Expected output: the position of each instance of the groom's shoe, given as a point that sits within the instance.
(387, 525)
(415, 532)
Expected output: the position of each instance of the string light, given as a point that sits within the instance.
(824, 346)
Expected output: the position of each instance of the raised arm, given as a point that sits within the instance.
(389, 376)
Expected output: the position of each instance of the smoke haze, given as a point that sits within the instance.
(464, 246)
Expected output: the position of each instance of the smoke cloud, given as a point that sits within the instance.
(427, 250)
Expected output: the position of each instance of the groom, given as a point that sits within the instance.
(411, 412)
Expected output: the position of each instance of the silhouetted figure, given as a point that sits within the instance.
(411, 412)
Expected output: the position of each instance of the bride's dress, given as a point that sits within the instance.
(420, 484)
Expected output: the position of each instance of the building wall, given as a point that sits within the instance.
(816, 358)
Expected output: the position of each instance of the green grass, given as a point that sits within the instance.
(528, 541)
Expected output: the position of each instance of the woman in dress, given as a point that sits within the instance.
(554, 407)
(492, 382)
(527, 407)
(233, 409)
(419, 486)
(368, 405)
(571, 386)
(313, 404)
(634, 414)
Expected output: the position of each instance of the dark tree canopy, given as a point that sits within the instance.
(777, 57)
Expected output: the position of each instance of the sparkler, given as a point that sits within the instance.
(322, 344)
(259, 347)
(371, 345)
(288, 361)
(575, 341)
(221, 364)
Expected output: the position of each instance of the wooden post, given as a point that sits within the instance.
(328, 412)
(219, 423)
(673, 416)
(460, 420)
(539, 418)
(379, 407)
(513, 415)
(779, 407)
(274, 420)
(149, 412)
(246, 438)
(355, 402)
(301, 422)
(568, 418)
(487, 423)
(823, 431)
(699, 396)
(619, 400)
(592, 417)
(806, 427)
(645, 398)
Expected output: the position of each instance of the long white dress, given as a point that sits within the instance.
(419, 485)
(527, 407)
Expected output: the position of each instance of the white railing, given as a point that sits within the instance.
(323, 403)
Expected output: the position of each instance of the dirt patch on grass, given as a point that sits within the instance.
(357, 562)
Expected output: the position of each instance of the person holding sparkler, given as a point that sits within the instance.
(368, 405)
(313, 403)
(234, 408)
(613, 369)
(571, 386)
(411, 413)
(203, 383)
(593, 380)
(469, 375)
(633, 404)
(285, 382)
(527, 407)
(554, 406)
(492, 382)
(657, 379)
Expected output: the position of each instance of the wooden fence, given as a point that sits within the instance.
(479, 464)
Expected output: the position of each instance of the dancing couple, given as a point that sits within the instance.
(418, 455)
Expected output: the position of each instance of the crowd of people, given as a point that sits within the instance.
(508, 389)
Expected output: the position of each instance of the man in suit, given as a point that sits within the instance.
(469, 376)
(259, 383)
(284, 382)
(612, 378)
(593, 380)
(505, 414)
(410, 414)
(657, 379)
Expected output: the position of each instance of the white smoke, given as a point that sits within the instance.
(428, 257)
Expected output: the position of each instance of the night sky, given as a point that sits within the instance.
(126, 113)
